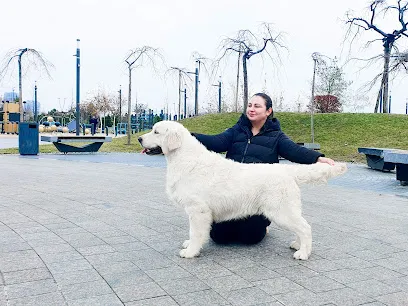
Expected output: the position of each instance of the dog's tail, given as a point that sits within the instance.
(317, 173)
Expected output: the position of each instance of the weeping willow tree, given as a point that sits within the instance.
(247, 44)
(32, 59)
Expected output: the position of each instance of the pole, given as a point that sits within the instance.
(35, 103)
(179, 104)
(236, 89)
(219, 96)
(312, 99)
(120, 103)
(77, 87)
(185, 102)
(196, 92)
(389, 104)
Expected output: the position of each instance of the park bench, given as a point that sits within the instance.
(62, 143)
(386, 159)
(375, 158)
(400, 159)
(310, 145)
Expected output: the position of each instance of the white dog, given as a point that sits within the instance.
(212, 188)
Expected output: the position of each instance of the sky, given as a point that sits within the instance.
(108, 30)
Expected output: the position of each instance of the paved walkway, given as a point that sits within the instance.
(98, 229)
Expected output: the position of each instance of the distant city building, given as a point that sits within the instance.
(10, 96)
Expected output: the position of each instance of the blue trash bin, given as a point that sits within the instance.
(28, 142)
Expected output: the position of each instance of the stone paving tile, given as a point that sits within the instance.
(85, 290)
(48, 299)
(319, 283)
(256, 273)
(172, 272)
(373, 288)
(75, 277)
(302, 297)
(182, 285)
(345, 297)
(277, 285)
(227, 283)
(158, 301)
(106, 268)
(204, 298)
(20, 290)
(22, 276)
(121, 279)
(394, 299)
(101, 300)
(248, 296)
(139, 292)
(69, 266)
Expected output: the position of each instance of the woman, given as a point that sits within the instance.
(255, 138)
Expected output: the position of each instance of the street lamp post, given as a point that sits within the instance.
(315, 58)
(35, 103)
(120, 103)
(219, 94)
(77, 86)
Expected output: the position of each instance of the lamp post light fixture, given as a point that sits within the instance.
(315, 57)
(77, 86)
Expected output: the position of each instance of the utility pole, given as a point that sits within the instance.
(35, 103)
(315, 58)
(77, 87)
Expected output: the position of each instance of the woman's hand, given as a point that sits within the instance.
(325, 160)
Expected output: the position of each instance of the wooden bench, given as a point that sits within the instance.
(310, 145)
(60, 142)
(375, 158)
(400, 159)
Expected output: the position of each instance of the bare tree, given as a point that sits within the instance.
(357, 24)
(35, 59)
(138, 58)
(330, 82)
(248, 44)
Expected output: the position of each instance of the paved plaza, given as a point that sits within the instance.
(97, 229)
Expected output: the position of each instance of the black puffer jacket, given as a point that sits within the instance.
(265, 147)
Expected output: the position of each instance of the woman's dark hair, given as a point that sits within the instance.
(268, 101)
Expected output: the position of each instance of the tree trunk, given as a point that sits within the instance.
(129, 105)
(20, 89)
(387, 50)
(245, 73)
(237, 88)
(377, 103)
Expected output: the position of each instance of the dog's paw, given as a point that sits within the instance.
(295, 245)
(301, 255)
(186, 253)
(186, 243)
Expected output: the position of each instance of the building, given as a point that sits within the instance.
(10, 96)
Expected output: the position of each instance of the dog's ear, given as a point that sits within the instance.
(172, 141)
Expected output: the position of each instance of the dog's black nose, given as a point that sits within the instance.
(140, 139)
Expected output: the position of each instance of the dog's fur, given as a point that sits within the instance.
(212, 188)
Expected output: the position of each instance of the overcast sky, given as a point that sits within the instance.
(109, 29)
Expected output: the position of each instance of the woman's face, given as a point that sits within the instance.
(256, 110)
